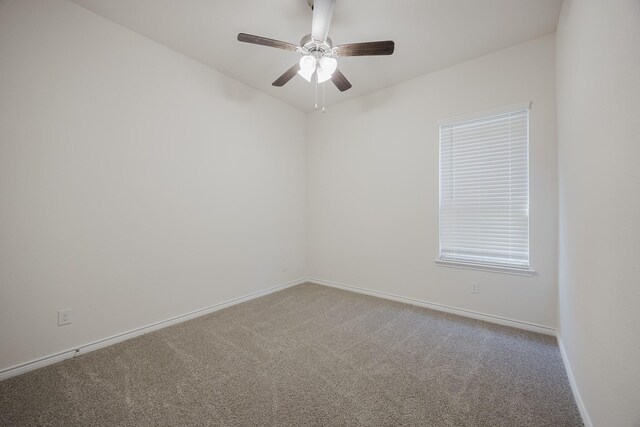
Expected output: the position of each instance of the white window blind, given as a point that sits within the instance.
(484, 190)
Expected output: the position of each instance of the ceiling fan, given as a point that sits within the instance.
(317, 50)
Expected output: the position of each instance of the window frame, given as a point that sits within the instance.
(470, 265)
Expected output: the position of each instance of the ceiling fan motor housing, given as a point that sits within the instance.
(308, 46)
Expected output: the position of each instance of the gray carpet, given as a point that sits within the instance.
(308, 355)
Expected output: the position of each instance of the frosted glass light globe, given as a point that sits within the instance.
(328, 65)
(308, 63)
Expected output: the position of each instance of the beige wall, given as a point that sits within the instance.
(135, 183)
(373, 185)
(598, 79)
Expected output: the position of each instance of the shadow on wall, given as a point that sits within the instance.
(377, 99)
(232, 90)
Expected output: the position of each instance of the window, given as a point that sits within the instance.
(484, 192)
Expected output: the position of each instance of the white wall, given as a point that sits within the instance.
(598, 79)
(373, 185)
(135, 183)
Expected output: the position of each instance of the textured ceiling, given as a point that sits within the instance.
(429, 35)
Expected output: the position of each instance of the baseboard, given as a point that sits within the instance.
(95, 345)
(441, 307)
(574, 386)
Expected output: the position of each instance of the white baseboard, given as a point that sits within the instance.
(95, 345)
(574, 386)
(441, 307)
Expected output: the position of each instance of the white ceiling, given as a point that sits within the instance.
(429, 35)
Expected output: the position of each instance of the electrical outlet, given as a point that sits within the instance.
(64, 317)
(475, 288)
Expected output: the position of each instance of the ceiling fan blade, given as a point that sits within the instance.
(366, 48)
(249, 38)
(340, 81)
(322, 13)
(288, 75)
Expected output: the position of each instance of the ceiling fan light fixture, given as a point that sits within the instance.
(308, 63)
(307, 67)
(323, 76)
(328, 65)
(306, 74)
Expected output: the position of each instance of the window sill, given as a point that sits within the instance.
(484, 267)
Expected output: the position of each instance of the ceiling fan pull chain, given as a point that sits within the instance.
(322, 97)
(316, 91)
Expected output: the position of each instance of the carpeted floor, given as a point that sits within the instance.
(308, 355)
